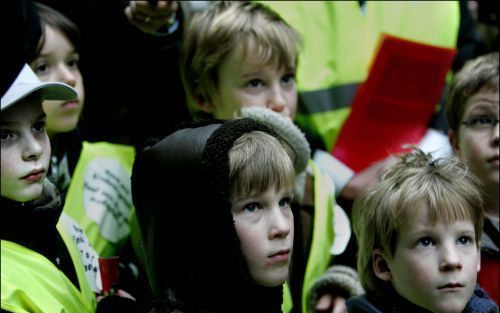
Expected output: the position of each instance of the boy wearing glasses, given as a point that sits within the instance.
(472, 112)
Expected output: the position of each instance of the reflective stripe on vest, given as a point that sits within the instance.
(99, 196)
(339, 43)
(322, 236)
(31, 283)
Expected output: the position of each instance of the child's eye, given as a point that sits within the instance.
(481, 121)
(41, 68)
(464, 240)
(285, 202)
(39, 126)
(5, 134)
(425, 242)
(73, 62)
(254, 83)
(251, 207)
(288, 78)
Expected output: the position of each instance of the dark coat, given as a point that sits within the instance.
(191, 249)
(479, 303)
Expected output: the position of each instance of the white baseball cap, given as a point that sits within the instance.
(27, 82)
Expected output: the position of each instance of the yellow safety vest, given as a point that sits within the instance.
(99, 197)
(322, 237)
(31, 283)
(339, 44)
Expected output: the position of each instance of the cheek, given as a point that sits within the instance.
(412, 268)
(81, 90)
(471, 148)
(226, 104)
(50, 106)
(250, 240)
(292, 103)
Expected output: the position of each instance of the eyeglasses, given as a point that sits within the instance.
(481, 123)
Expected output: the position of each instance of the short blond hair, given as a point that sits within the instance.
(447, 188)
(474, 75)
(250, 30)
(258, 161)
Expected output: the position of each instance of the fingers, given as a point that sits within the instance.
(150, 18)
(339, 305)
(325, 303)
(161, 9)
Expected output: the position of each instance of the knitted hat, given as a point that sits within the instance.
(286, 129)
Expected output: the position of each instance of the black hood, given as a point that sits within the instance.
(180, 188)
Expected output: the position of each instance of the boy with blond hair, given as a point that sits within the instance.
(238, 59)
(419, 233)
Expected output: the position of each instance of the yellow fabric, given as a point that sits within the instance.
(100, 186)
(287, 299)
(340, 40)
(31, 283)
(322, 236)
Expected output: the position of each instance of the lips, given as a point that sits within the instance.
(34, 175)
(281, 256)
(451, 286)
(71, 104)
(494, 160)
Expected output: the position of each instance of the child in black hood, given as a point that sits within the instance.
(219, 237)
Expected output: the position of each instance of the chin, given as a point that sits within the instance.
(273, 280)
(454, 307)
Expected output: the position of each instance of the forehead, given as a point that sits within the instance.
(486, 99)
(22, 110)
(255, 53)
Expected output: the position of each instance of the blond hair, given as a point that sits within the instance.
(249, 31)
(258, 161)
(476, 74)
(445, 186)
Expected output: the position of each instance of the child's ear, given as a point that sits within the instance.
(380, 265)
(453, 138)
(202, 103)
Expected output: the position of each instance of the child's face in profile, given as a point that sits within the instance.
(25, 151)
(264, 223)
(435, 266)
(478, 143)
(242, 84)
(58, 62)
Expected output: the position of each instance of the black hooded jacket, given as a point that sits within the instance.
(191, 251)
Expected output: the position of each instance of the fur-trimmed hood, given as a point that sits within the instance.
(180, 188)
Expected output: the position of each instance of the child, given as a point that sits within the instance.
(419, 232)
(45, 267)
(220, 237)
(472, 113)
(239, 59)
(93, 177)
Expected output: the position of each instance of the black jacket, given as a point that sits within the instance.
(191, 249)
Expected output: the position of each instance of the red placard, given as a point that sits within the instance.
(394, 105)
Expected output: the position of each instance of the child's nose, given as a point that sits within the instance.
(66, 75)
(33, 149)
(277, 101)
(280, 225)
(450, 260)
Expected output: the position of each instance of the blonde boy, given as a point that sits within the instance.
(240, 55)
(419, 232)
